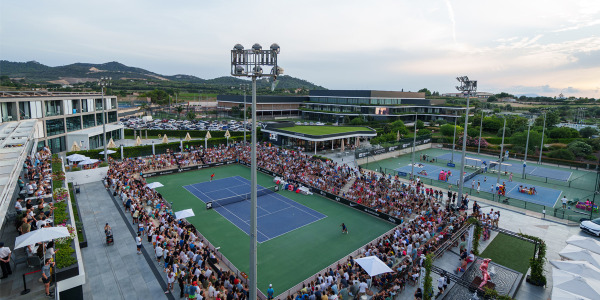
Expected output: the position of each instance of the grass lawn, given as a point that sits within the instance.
(323, 130)
(510, 252)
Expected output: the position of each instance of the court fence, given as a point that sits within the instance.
(389, 147)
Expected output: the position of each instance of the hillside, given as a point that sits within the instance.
(37, 73)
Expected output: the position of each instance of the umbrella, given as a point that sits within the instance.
(165, 139)
(88, 161)
(75, 147)
(560, 294)
(582, 268)
(108, 152)
(373, 265)
(208, 136)
(342, 145)
(357, 142)
(187, 137)
(41, 235)
(585, 243)
(77, 157)
(111, 144)
(184, 214)
(154, 185)
(138, 141)
(398, 136)
(576, 284)
(576, 253)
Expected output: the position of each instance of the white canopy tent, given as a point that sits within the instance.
(373, 265)
(184, 214)
(577, 253)
(585, 243)
(582, 268)
(77, 157)
(154, 185)
(560, 294)
(576, 284)
(109, 151)
(88, 161)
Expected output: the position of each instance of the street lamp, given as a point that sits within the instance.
(104, 82)
(466, 86)
(542, 145)
(248, 63)
(244, 87)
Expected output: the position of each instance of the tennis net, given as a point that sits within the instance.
(242, 197)
(470, 176)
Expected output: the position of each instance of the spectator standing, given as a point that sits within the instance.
(270, 292)
(5, 254)
(46, 277)
(138, 242)
(564, 202)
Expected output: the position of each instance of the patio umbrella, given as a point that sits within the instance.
(75, 147)
(111, 144)
(154, 185)
(138, 141)
(576, 284)
(187, 137)
(560, 294)
(44, 234)
(582, 268)
(108, 152)
(577, 253)
(585, 243)
(398, 136)
(77, 157)
(88, 161)
(165, 139)
(342, 145)
(373, 265)
(184, 214)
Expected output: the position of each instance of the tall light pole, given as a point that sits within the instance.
(526, 149)
(104, 82)
(412, 171)
(244, 87)
(542, 145)
(454, 140)
(501, 153)
(480, 130)
(466, 86)
(248, 63)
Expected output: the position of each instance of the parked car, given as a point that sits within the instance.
(591, 226)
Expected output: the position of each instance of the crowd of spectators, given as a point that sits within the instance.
(187, 260)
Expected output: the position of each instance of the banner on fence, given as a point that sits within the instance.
(383, 150)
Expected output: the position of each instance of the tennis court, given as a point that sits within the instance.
(288, 259)
(276, 214)
(513, 166)
(545, 196)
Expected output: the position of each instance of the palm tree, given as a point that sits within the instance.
(144, 108)
(191, 115)
(179, 111)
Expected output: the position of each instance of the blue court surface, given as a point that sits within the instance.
(516, 167)
(276, 214)
(545, 196)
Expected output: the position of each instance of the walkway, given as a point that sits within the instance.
(112, 270)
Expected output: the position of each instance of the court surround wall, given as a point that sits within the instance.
(394, 153)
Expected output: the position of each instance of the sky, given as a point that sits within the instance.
(542, 47)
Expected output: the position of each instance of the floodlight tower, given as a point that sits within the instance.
(467, 87)
(104, 82)
(248, 63)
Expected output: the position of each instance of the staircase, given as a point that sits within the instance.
(348, 185)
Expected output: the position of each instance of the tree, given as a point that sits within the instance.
(579, 148)
(492, 123)
(520, 138)
(191, 115)
(563, 132)
(426, 91)
(423, 132)
(492, 99)
(387, 128)
(357, 121)
(507, 132)
(179, 111)
(144, 108)
(552, 118)
(562, 154)
(420, 124)
(448, 130)
(473, 132)
(398, 125)
(587, 132)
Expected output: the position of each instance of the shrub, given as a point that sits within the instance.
(562, 154)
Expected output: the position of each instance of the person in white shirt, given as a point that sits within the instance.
(159, 252)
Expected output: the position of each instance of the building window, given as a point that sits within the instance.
(98, 104)
(53, 108)
(73, 123)
(89, 121)
(75, 106)
(57, 144)
(25, 110)
(84, 105)
(99, 119)
(112, 116)
(113, 103)
(54, 127)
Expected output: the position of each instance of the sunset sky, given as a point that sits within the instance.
(521, 47)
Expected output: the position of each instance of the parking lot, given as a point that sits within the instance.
(165, 124)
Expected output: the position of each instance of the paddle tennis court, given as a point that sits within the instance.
(514, 166)
(276, 214)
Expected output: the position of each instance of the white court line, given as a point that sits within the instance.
(318, 219)
(271, 213)
(285, 200)
(268, 238)
(201, 192)
(531, 172)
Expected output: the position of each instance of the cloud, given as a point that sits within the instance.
(451, 16)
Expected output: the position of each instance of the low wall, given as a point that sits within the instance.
(364, 160)
(86, 176)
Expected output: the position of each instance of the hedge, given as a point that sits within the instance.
(146, 150)
(182, 133)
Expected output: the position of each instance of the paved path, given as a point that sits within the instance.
(113, 272)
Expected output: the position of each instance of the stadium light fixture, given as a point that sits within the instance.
(249, 63)
(104, 82)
